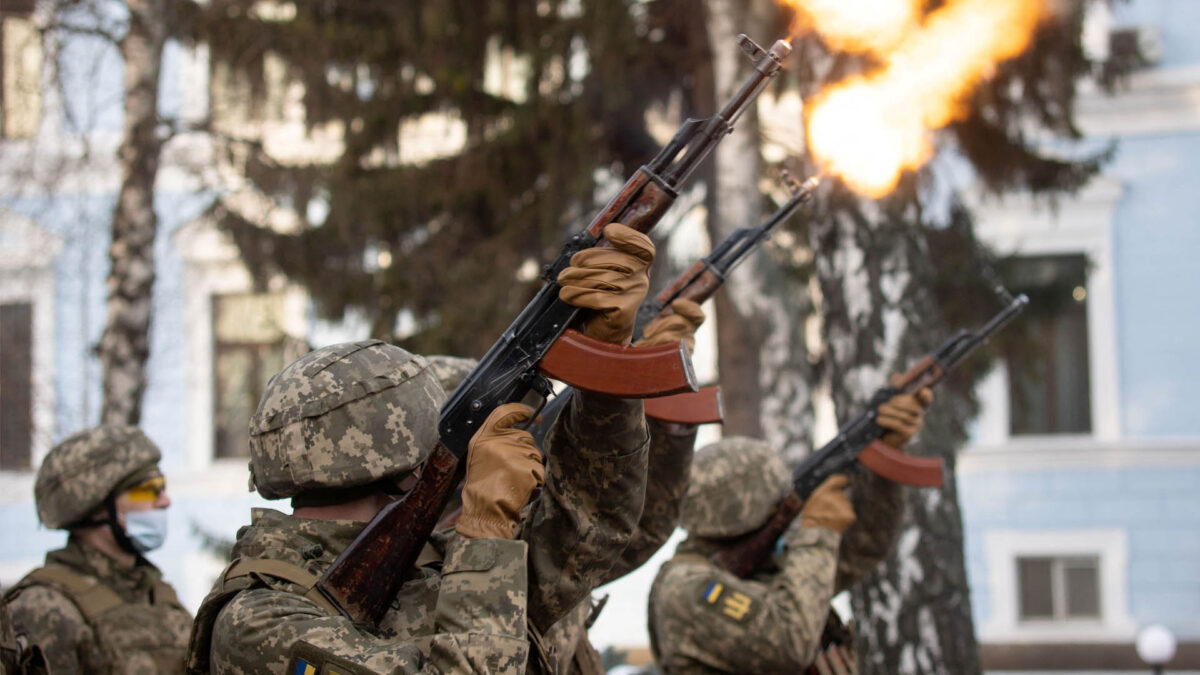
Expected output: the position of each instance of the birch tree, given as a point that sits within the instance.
(124, 346)
(762, 355)
(898, 275)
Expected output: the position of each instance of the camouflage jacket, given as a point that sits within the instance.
(670, 460)
(116, 620)
(591, 503)
(785, 607)
(879, 515)
(703, 619)
(466, 614)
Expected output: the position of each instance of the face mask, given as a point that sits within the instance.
(146, 529)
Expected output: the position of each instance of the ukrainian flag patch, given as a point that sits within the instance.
(304, 668)
(713, 592)
(729, 603)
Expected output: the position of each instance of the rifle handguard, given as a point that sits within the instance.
(627, 372)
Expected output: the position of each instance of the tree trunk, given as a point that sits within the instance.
(913, 613)
(762, 359)
(125, 345)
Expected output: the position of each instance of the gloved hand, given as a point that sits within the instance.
(612, 281)
(829, 506)
(679, 326)
(902, 415)
(503, 468)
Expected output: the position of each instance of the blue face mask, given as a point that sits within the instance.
(146, 529)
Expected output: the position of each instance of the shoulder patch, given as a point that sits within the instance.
(305, 659)
(730, 604)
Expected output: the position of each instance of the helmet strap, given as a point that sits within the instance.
(118, 532)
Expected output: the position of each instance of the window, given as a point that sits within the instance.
(1058, 588)
(20, 70)
(1048, 586)
(16, 386)
(1049, 387)
(249, 346)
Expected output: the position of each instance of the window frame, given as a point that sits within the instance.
(1002, 551)
(253, 348)
(1081, 225)
(27, 276)
(24, 13)
(212, 267)
(1059, 600)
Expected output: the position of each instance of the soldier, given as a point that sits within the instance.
(668, 465)
(462, 609)
(703, 619)
(98, 606)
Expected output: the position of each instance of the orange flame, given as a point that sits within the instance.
(856, 25)
(870, 129)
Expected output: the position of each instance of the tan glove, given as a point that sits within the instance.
(902, 415)
(829, 506)
(503, 468)
(679, 326)
(612, 281)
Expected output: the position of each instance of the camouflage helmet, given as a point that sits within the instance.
(80, 473)
(450, 371)
(343, 416)
(735, 484)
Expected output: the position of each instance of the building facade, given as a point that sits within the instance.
(1078, 492)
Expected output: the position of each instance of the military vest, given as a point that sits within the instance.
(133, 637)
(246, 573)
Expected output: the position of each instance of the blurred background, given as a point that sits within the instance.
(194, 194)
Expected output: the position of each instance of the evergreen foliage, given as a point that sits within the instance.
(457, 228)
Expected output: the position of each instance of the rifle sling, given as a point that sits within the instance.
(287, 572)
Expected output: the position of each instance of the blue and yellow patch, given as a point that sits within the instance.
(732, 604)
(304, 668)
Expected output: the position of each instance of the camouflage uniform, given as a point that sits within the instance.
(437, 621)
(706, 620)
(585, 529)
(87, 612)
(123, 621)
(9, 649)
(466, 614)
(669, 464)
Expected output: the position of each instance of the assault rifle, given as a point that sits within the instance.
(699, 282)
(858, 441)
(363, 580)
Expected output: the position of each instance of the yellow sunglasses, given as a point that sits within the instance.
(148, 491)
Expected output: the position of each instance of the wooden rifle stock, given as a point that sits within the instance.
(364, 579)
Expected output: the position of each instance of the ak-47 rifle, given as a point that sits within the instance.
(858, 441)
(699, 282)
(363, 580)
